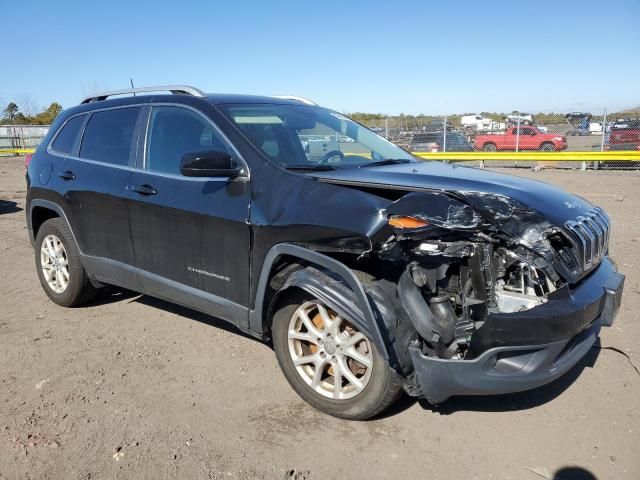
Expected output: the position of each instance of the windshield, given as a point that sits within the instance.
(297, 135)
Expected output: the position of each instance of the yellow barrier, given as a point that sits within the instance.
(18, 150)
(617, 156)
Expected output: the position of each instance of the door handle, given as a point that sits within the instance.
(144, 189)
(67, 175)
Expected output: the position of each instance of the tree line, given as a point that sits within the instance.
(13, 115)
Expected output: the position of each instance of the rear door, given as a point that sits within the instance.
(191, 235)
(94, 187)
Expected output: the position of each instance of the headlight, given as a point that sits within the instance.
(558, 139)
(419, 210)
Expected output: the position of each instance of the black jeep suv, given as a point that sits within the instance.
(370, 271)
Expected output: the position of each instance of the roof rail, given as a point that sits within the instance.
(293, 97)
(174, 89)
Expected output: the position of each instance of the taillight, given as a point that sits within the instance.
(27, 160)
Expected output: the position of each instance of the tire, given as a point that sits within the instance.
(547, 147)
(489, 147)
(381, 384)
(78, 290)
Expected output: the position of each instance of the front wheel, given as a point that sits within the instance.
(329, 363)
(547, 147)
(489, 147)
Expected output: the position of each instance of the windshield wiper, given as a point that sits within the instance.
(309, 167)
(386, 161)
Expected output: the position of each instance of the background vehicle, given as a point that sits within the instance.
(522, 118)
(477, 122)
(624, 135)
(434, 142)
(579, 123)
(529, 138)
(370, 271)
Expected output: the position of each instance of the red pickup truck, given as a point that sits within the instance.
(530, 139)
(625, 135)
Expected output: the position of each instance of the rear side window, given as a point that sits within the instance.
(108, 136)
(68, 134)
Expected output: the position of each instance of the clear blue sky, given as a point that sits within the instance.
(351, 55)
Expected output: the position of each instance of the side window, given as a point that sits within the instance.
(526, 131)
(67, 136)
(108, 136)
(174, 131)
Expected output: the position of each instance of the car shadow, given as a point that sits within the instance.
(573, 473)
(194, 315)
(482, 403)
(7, 206)
(517, 401)
(110, 294)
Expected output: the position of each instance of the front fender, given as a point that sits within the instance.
(333, 282)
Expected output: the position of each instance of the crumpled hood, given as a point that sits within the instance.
(553, 204)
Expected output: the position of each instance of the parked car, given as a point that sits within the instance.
(369, 273)
(434, 142)
(522, 118)
(530, 138)
(624, 135)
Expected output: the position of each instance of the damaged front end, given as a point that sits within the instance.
(499, 297)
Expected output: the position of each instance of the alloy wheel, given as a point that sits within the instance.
(329, 353)
(54, 263)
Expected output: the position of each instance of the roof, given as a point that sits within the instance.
(222, 98)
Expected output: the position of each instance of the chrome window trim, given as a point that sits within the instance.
(246, 172)
(243, 176)
(50, 148)
(56, 153)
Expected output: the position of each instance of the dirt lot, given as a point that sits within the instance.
(132, 387)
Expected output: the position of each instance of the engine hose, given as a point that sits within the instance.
(438, 329)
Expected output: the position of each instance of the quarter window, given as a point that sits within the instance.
(108, 136)
(66, 138)
(174, 131)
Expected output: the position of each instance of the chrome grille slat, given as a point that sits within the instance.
(590, 236)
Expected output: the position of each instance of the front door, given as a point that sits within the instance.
(191, 235)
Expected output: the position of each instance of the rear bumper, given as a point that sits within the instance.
(516, 366)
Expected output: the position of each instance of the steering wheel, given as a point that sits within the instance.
(333, 153)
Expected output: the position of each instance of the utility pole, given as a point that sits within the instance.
(444, 134)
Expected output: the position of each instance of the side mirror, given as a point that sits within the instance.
(212, 163)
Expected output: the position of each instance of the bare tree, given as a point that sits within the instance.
(28, 105)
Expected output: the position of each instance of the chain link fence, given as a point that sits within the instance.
(517, 133)
(514, 134)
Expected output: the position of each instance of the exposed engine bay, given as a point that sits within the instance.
(460, 267)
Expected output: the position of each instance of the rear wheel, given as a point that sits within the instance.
(60, 271)
(489, 147)
(547, 147)
(329, 363)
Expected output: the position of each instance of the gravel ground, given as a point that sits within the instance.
(133, 387)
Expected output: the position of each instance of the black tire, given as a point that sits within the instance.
(489, 147)
(547, 147)
(382, 390)
(79, 289)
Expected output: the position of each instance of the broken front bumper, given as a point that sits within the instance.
(525, 350)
